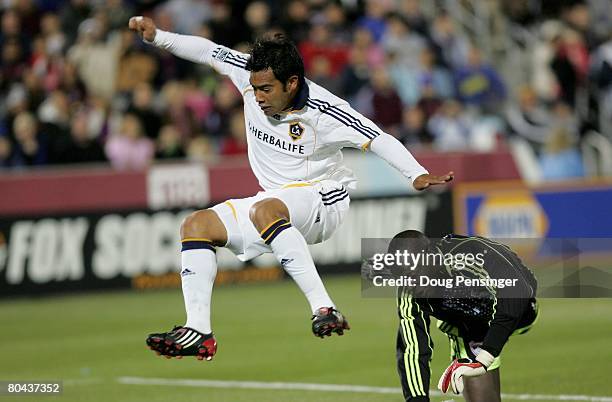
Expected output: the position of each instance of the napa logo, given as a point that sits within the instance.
(511, 216)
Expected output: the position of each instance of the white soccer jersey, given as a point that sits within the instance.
(301, 145)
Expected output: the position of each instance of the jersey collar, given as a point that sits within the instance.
(299, 101)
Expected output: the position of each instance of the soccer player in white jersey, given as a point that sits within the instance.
(295, 131)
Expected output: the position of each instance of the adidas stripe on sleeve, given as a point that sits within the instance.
(350, 128)
(201, 50)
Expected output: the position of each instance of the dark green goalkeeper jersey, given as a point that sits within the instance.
(474, 304)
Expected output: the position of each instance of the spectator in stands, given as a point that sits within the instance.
(602, 78)
(226, 98)
(81, 146)
(51, 31)
(355, 76)
(97, 117)
(128, 148)
(430, 74)
(34, 85)
(411, 11)
(200, 149)
(522, 12)
(142, 106)
(198, 102)
(374, 18)
(321, 73)
(321, 44)
(31, 145)
(363, 39)
(224, 30)
(96, 56)
(7, 156)
(235, 143)
(565, 116)
(173, 103)
(55, 110)
(451, 127)
(451, 47)
(528, 118)
(29, 15)
(414, 131)
(72, 14)
(569, 64)
(11, 31)
(578, 17)
(334, 15)
(54, 119)
(257, 16)
(403, 43)
(543, 79)
(118, 13)
(71, 84)
(136, 65)
(13, 67)
(169, 144)
(14, 102)
(386, 103)
(411, 82)
(477, 83)
(296, 20)
(430, 101)
(187, 15)
(169, 68)
(560, 159)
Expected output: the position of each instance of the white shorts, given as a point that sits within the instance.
(316, 210)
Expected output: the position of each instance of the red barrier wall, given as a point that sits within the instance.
(102, 189)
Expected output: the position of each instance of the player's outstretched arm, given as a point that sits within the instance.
(426, 180)
(193, 48)
(396, 155)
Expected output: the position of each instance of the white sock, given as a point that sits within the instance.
(291, 250)
(199, 269)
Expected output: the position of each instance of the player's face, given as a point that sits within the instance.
(272, 95)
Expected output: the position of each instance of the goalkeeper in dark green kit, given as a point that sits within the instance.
(481, 294)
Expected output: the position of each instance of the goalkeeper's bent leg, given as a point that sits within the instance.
(414, 350)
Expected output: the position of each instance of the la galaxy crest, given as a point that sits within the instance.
(296, 130)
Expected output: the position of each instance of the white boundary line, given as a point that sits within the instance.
(298, 386)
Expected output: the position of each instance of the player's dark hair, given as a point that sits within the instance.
(279, 54)
(412, 241)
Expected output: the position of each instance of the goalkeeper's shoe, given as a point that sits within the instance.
(327, 320)
(183, 341)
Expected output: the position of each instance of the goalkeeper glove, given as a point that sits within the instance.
(453, 376)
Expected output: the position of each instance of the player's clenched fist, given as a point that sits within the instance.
(143, 26)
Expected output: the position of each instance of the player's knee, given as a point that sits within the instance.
(264, 212)
(199, 224)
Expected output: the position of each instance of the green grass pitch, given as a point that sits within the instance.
(90, 341)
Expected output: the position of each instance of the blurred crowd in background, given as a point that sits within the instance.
(77, 86)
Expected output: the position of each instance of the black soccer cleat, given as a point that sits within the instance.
(183, 341)
(327, 320)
